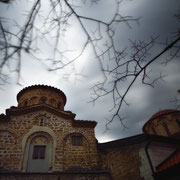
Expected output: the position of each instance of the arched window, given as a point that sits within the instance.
(75, 144)
(40, 153)
(33, 100)
(52, 102)
(59, 105)
(77, 140)
(43, 100)
(41, 120)
(25, 103)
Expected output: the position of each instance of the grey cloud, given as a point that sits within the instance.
(157, 18)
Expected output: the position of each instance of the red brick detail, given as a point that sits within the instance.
(158, 114)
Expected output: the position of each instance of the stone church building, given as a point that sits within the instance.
(39, 140)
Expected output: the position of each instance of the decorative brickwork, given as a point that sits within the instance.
(41, 94)
(163, 123)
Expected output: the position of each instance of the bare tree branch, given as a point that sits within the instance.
(117, 66)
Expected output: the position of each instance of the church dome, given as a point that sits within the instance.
(41, 94)
(161, 113)
(163, 123)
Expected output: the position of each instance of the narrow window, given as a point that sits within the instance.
(33, 100)
(39, 152)
(77, 140)
(43, 100)
(41, 122)
(59, 106)
(166, 129)
(25, 103)
(154, 130)
(53, 102)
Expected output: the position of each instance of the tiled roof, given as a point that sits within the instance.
(171, 161)
(65, 114)
(163, 112)
(158, 114)
(84, 123)
(136, 140)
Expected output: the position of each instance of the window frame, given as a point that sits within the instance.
(77, 140)
(37, 150)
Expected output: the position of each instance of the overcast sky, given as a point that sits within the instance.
(157, 18)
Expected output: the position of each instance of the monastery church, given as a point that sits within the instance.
(39, 140)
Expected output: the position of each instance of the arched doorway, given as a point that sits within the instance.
(39, 154)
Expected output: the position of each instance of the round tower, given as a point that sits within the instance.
(164, 123)
(41, 94)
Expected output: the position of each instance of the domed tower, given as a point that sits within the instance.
(41, 94)
(41, 136)
(164, 123)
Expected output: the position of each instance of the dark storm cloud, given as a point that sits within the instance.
(149, 101)
(157, 19)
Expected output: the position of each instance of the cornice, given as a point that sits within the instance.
(4, 118)
(16, 111)
(84, 123)
(29, 109)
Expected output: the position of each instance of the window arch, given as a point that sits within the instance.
(25, 103)
(76, 144)
(43, 100)
(41, 120)
(33, 100)
(59, 105)
(52, 102)
(38, 152)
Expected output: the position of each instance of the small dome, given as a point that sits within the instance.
(159, 114)
(163, 112)
(41, 94)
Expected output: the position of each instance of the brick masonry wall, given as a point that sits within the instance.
(33, 97)
(10, 153)
(126, 162)
(171, 122)
(65, 156)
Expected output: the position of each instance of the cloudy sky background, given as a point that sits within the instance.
(157, 18)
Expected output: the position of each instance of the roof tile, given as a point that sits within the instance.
(173, 160)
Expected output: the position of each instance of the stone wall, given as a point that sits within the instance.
(10, 151)
(35, 96)
(14, 136)
(125, 162)
(157, 125)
